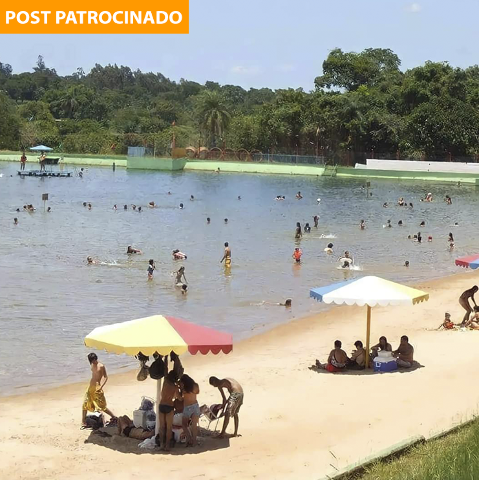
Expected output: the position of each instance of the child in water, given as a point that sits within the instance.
(151, 269)
(297, 254)
(329, 249)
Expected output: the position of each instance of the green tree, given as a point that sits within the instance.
(213, 115)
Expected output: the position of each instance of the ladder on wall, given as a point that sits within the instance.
(330, 170)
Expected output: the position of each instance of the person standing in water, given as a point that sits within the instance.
(316, 221)
(151, 269)
(227, 255)
(180, 274)
(23, 160)
(298, 234)
(297, 254)
(362, 225)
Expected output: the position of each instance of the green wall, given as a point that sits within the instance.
(150, 163)
(247, 167)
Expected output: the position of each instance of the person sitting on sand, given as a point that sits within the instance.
(404, 353)
(337, 359)
(127, 427)
(464, 302)
(383, 345)
(447, 324)
(94, 397)
(191, 410)
(131, 250)
(177, 255)
(232, 405)
(473, 323)
(358, 357)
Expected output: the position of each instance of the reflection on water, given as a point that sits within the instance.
(50, 299)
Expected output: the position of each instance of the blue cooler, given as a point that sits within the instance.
(385, 362)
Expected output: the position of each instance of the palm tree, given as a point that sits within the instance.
(213, 115)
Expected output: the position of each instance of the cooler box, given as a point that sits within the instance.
(385, 362)
(139, 418)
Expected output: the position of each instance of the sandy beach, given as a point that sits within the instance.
(295, 423)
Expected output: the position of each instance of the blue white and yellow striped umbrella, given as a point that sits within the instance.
(370, 291)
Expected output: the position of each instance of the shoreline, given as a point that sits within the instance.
(336, 419)
(271, 329)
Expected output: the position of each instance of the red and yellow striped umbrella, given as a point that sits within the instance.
(160, 334)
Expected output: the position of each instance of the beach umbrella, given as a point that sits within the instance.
(472, 261)
(41, 148)
(369, 291)
(160, 334)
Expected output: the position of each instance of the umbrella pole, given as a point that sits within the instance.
(157, 408)
(368, 334)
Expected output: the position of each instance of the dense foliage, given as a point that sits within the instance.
(361, 102)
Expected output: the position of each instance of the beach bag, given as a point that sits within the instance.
(143, 372)
(157, 369)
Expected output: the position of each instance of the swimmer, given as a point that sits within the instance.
(184, 289)
(134, 207)
(299, 196)
(411, 205)
(181, 206)
(316, 221)
(227, 255)
(388, 225)
(125, 207)
(90, 261)
(451, 246)
(448, 200)
(49, 209)
(151, 269)
(192, 197)
(406, 263)
(151, 204)
(329, 249)
(287, 303)
(385, 204)
(451, 237)
(169, 193)
(115, 207)
(278, 198)
(208, 220)
(298, 233)
(17, 210)
(347, 260)
(84, 204)
(362, 225)
(218, 171)
(139, 209)
(131, 250)
(307, 228)
(318, 201)
(179, 275)
(297, 254)
(89, 206)
(177, 255)
(419, 238)
(239, 197)
(400, 223)
(226, 220)
(401, 202)
(422, 224)
(31, 208)
(15, 221)
(429, 238)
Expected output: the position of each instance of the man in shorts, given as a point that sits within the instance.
(232, 405)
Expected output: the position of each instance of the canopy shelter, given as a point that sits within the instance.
(160, 334)
(41, 148)
(471, 261)
(369, 291)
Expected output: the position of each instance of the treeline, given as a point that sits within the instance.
(361, 102)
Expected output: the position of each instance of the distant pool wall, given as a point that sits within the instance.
(89, 160)
(250, 167)
(369, 173)
(150, 163)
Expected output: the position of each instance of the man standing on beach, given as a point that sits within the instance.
(94, 397)
(404, 353)
(464, 302)
(232, 405)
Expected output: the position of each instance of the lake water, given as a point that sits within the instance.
(50, 299)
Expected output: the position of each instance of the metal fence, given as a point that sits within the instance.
(140, 152)
(290, 159)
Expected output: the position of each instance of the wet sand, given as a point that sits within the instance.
(295, 423)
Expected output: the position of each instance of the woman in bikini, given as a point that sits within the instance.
(191, 410)
(169, 393)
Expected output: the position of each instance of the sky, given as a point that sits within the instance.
(266, 43)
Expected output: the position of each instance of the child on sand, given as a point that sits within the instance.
(447, 324)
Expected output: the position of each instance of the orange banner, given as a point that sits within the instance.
(163, 16)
